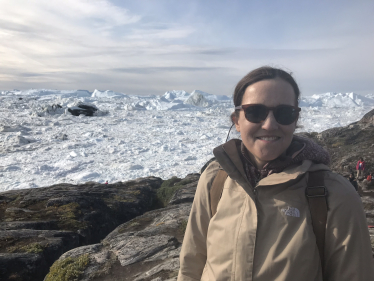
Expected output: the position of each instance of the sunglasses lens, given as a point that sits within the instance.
(285, 115)
(256, 113)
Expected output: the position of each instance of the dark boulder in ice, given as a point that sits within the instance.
(82, 108)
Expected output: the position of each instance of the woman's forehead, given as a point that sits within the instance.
(270, 92)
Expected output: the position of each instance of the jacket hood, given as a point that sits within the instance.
(229, 157)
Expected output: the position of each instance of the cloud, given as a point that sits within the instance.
(30, 74)
(202, 44)
(45, 36)
(147, 70)
(44, 15)
(170, 33)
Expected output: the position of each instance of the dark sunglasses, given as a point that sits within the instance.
(283, 114)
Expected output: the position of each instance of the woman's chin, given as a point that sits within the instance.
(267, 158)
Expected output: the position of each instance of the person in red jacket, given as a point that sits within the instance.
(370, 177)
(360, 167)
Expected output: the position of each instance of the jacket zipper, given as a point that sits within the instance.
(255, 191)
(255, 188)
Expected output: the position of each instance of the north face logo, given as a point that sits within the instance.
(291, 211)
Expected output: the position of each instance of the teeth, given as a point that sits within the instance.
(268, 138)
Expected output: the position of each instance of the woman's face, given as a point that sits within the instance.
(266, 140)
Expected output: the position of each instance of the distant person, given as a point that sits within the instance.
(258, 224)
(353, 181)
(106, 182)
(370, 177)
(360, 167)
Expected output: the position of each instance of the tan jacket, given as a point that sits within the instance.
(269, 236)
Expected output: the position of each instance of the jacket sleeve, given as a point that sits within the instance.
(194, 252)
(348, 254)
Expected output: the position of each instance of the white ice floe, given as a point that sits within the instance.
(107, 94)
(197, 99)
(337, 100)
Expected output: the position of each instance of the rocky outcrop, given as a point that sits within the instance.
(347, 144)
(367, 185)
(368, 202)
(38, 225)
(81, 108)
(142, 249)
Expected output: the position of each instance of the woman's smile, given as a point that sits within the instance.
(268, 138)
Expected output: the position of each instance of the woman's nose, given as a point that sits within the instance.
(270, 124)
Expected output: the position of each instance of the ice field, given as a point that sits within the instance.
(173, 134)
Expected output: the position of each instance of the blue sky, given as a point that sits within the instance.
(151, 46)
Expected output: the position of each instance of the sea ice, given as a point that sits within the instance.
(140, 136)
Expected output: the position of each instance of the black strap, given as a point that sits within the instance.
(316, 193)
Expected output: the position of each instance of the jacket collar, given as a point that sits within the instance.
(228, 156)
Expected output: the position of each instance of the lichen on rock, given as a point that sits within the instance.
(68, 269)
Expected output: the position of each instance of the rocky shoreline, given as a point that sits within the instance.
(130, 230)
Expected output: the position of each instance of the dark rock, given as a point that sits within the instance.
(368, 202)
(368, 118)
(61, 136)
(40, 224)
(172, 186)
(84, 109)
(146, 247)
(28, 253)
(37, 225)
(21, 266)
(367, 185)
(187, 192)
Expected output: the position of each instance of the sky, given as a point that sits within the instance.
(148, 47)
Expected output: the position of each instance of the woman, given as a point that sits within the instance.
(360, 167)
(262, 228)
(353, 181)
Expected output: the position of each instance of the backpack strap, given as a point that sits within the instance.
(216, 190)
(316, 193)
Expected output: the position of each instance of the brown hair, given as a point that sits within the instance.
(259, 74)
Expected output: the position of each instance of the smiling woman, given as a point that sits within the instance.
(268, 138)
(263, 226)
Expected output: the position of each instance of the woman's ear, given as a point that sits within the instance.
(234, 119)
